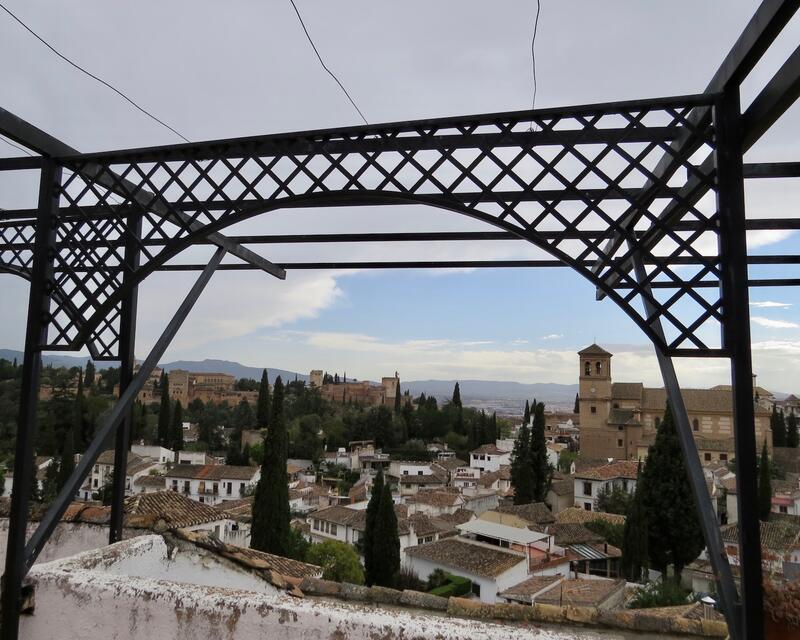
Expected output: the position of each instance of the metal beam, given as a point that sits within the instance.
(34, 138)
(35, 338)
(771, 103)
(697, 481)
(736, 339)
(65, 496)
(771, 170)
(766, 24)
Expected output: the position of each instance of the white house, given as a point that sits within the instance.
(347, 524)
(490, 568)
(786, 495)
(414, 476)
(42, 462)
(488, 457)
(103, 469)
(590, 483)
(436, 502)
(193, 457)
(162, 454)
(466, 478)
(212, 483)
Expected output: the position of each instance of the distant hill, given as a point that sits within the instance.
(202, 366)
(506, 394)
(232, 368)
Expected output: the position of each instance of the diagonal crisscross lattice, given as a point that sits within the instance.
(565, 180)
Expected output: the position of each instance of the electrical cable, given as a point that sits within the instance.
(324, 66)
(16, 146)
(91, 75)
(533, 52)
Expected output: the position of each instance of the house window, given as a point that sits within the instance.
(419, 473)
(216, 488)
(599, 368)
(625, 485)
(619, 428)
(201, 488)
(94, 483)
(241, 488)
(587, 506)
(230, 488)
(405, 472)
(174, 485)
(333, 529)
(783, 509)
(587, 369)
(707, 457)
(619, 442)
(723, 457)
(593, 409)
(97, 468)
(616, 405)
(476, 589)
(186, 486)
(587, 488)
(316, 525)
(202, 499)
(695, 425)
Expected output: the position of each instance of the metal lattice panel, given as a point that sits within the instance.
(566, 180)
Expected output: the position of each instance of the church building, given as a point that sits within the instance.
(619, 419)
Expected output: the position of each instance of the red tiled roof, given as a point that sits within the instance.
(621, 469)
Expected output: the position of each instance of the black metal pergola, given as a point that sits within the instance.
(645, 199)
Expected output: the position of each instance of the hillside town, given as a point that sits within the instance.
(544, 509)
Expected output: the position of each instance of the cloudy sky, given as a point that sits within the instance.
(238, 68)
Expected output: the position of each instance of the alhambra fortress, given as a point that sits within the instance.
(619, 419)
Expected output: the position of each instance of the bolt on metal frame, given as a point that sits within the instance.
(643, 198)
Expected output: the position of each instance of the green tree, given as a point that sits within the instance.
(576, 407)
(373, 508)
(164, 411)
(521, 466)
(339, 561)
(176, 431)
(270, 528)
(674, 534)
(385, 542)
(635, 556)
(540, 467)
(262, 406)
(66, 463)
(778, 425)
(80, 419)
(614, 500)
(298, 546)
(308, 445)
(89, 372)
(242, 417)
(397, 398)
(50, 482)
(526, 415)
(764, 485)
(456, 396)
(792, 436)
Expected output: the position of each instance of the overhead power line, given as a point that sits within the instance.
(324, 66)
(91, 75)
(533, 52)
(16, 146)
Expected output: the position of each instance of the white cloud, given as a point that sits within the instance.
(774, 324)
(769, 304)
(553, 336)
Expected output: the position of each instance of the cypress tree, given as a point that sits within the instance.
(674, 534)
(792, 436)
(386, 542)
(262, 407)
(521, 476)
(493, 427)
(634, 561)
(577, 407)
(764, 485)
(526, 416)
(270, 529)
(88, 379)
(66, 463)
(397, 398)
(540, 468)
(778, 426)
(457, 396)
(80, 424)
(176, 432)
(164, 409)
(373, 507)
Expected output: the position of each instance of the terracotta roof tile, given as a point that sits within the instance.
(212, 472)
(525, 590)
(581, 593)
(575, 514)
(176, 510)
(466, 556)
(593, 350)
(534, 512)
(622, 469)
(570, 533)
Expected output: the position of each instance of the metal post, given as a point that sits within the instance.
(35, 338)
(736, 339)
(726, 586)
(127, 361)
